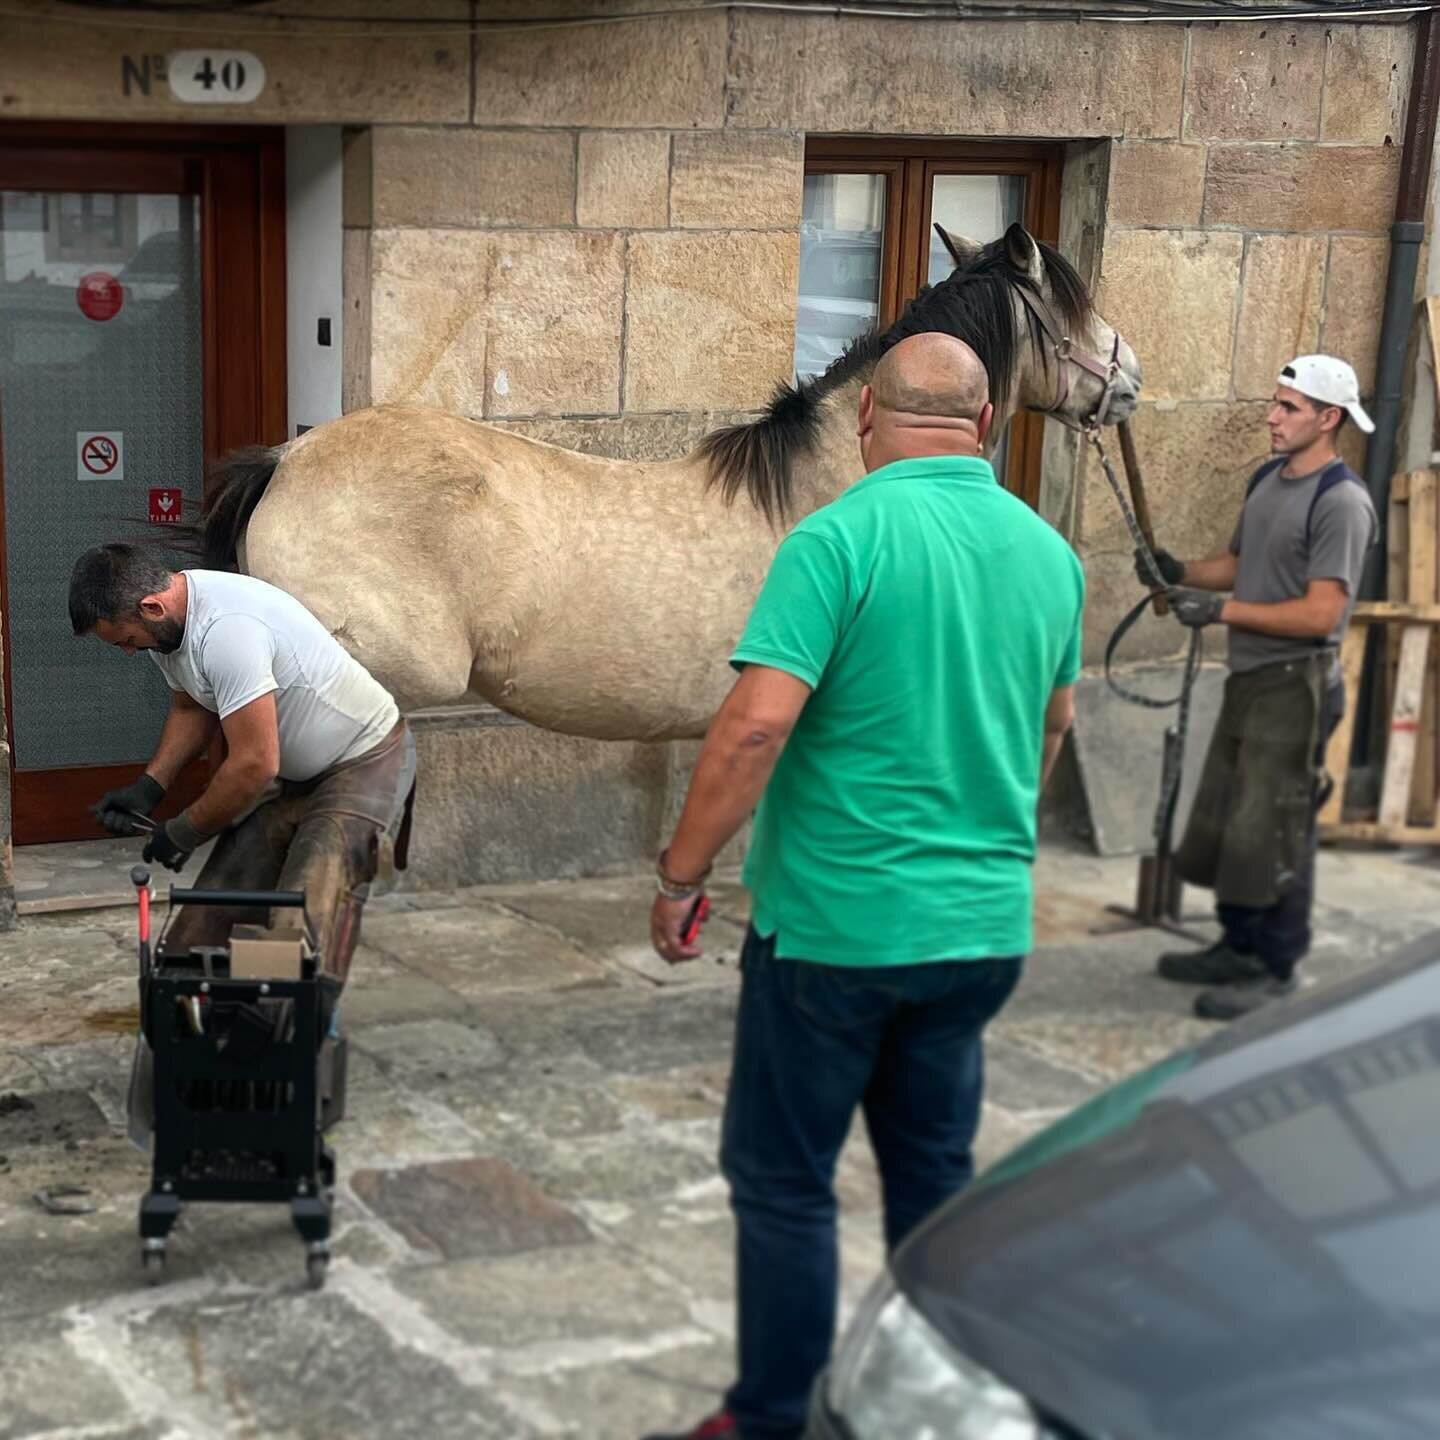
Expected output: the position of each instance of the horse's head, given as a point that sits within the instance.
(1017, 303)
(1053, 353)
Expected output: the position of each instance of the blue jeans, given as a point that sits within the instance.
(813, 1042)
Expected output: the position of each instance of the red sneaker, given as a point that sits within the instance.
(719, 1426)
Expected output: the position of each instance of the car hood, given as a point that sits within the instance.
(1243, 1241)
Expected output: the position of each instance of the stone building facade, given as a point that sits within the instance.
(590, 234)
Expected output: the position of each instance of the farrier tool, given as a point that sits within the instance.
(1159, 889)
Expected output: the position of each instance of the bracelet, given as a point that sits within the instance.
(673, 889)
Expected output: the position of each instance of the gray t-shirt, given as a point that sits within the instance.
(1278, 560)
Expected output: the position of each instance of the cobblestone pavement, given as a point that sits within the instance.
(531, 1236)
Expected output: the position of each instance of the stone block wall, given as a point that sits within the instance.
(1257, 232)
(590, 234)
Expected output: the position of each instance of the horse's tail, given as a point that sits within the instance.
(756, 457)
(237, 486)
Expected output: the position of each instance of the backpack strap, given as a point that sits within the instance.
(1338, 473)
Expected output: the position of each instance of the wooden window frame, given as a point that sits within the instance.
(909, 167)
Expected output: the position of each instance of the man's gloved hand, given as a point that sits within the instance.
(140, 796)
(1172, 571)
(1196, 607)
(166, 847)
(172, 844)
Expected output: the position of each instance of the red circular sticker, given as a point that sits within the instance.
(99, 295)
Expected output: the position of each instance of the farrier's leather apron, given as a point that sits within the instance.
(322, 836)
(1249, 828)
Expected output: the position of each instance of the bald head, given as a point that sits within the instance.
(931, 375)
(929, 395)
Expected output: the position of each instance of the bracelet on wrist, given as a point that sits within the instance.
(673, 888)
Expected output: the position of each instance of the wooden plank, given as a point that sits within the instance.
(1420, 569)
(1397, 571)
(1337, 753)
(1404, 726)
(1422, 526)
(1397, 574)
(1373, 610)
(1432, 314)
(1383, 834)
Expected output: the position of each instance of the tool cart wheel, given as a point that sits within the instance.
(152, 1262)
(317, 1266)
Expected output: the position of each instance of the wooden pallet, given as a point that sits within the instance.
(1413, 578)
(1411, 718)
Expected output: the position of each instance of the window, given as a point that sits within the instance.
(868, 243)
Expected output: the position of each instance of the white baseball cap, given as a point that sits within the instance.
(1331, 381)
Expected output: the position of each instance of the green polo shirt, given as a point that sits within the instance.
(932, 614)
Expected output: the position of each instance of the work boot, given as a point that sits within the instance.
(1230, 1002)
(719, 1426)
(1220, 964)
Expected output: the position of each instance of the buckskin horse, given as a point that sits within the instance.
(602, 597)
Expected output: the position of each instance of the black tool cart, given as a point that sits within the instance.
(237, 1109)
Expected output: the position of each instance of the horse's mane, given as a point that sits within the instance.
(974, 304)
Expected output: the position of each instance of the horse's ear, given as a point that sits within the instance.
(962, 251)
(1024, 254)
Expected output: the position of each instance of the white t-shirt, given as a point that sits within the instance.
(244, 638)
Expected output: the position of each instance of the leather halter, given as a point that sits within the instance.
(1066, 354)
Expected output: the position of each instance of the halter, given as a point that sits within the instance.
(1066, 353)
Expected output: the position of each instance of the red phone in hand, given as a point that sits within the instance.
(698, 915)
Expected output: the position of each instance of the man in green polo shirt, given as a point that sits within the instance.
(905, 683)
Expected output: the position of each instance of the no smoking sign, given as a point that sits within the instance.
(99, 455)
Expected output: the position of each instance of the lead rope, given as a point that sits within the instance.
(1170, 775)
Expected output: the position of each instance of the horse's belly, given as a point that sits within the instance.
(644, 702)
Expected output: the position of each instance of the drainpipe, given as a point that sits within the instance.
(1406, 234)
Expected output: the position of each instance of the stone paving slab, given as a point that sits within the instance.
(87, 873)
(464, 1208)
(44, 1386)
(626, 1396)
(532, 1238)
(304, 1365)
(608, 918)
(547, 1297)
(482, 951)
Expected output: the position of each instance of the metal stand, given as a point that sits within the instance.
(1159, 890)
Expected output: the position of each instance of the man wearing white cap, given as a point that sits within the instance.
(1292, 570)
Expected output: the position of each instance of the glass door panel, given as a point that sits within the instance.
(101, 407)
(142, 306)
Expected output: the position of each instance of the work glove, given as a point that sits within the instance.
(165, 846)
(1172, 571)
(1196, 607)
(140, 797)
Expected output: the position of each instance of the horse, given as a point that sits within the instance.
(598, 597)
